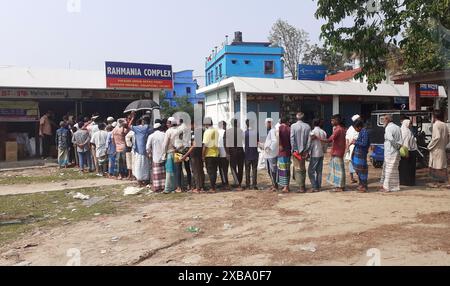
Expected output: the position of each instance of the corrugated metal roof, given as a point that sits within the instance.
(305, 87)
(343, 76)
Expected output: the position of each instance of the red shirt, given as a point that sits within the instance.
(285, 141)
(339, 143)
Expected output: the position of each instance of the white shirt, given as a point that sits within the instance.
(171, 136)
(351, 135)
(271, 145)
(186, 135)
(92, 128)
(317, 145)
(99, 140)
(392, 140)
(222, 152)
(155, 146)
(129, 139)
(409, 140)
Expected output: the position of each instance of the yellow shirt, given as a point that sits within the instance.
(211, 142)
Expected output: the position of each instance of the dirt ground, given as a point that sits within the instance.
(255, 227)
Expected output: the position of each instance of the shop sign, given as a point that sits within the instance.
(429, 90)
(138, 76)
(19, 111)
(32, 93)
(261, 97)
(312, 72)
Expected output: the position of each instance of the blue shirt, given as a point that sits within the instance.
(362, 145)
(62, 138)
(141, 134)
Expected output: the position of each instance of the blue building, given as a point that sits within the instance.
(244, 59)
(184, 84)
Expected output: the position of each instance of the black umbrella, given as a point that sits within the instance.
(143, 104)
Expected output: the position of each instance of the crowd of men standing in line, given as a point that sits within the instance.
(160, 155)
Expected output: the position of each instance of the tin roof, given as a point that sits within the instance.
(305, 87)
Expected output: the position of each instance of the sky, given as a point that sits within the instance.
(53, 34)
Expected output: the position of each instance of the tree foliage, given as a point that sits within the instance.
(370, 28)
(294, 41)
(334, 61)
(182, 104)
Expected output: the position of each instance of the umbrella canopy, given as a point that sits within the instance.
(144, 104)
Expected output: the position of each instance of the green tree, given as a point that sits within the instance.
(182, 105)
(334, 61)
(370, 28)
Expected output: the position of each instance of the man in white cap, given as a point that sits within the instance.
(183, 144)
(271, 153)
(155, 149)
(351, 136)
(109, 121)
(170, 137)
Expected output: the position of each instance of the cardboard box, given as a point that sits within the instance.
(11, 157)
(11, 150)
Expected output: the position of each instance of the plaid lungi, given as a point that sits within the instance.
(158, 176)
(441, 176)
(170, 173)
(284, 172)
(359, 162)
(336, 177)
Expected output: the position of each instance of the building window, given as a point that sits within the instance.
(247, 62)
(188, 90)
(220, 71)
(269, 67)
(234, 62)
(217, 73)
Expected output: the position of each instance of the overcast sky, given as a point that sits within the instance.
(45, 33)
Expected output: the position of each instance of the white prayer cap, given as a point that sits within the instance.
(269, 120)
(172, 120)
(157, 125)
(110, 119)
(356, 117)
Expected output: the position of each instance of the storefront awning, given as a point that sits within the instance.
(304, 87)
